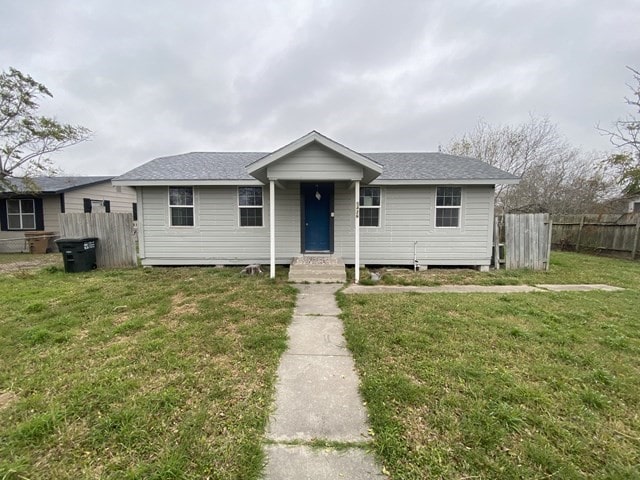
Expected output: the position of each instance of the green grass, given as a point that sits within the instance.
(532, 385)
(565, 268)
(141, 373)
(37, 258)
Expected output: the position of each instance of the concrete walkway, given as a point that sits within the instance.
(317, 398)
(481, 288)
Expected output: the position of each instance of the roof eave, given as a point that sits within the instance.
(75, 187)
(447, 181)
(183, 182)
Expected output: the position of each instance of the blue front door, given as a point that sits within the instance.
(317, 200)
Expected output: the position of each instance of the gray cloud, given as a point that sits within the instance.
(157, 78)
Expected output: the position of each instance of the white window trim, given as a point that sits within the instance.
(20, 215)
(192, 206)
(379, 207)
(261, 207)
(459, 207)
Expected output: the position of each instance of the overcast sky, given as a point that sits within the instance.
(155, 78)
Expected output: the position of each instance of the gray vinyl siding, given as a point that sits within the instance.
(216, 237)
(315, 163)
(407, 215)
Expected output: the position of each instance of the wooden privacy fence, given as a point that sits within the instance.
(116, 237)
(608, 233)
(527, 241)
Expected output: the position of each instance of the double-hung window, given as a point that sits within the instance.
(250, 204)
(448, 206)
(181, 206)
(21, 214)
(369, 206)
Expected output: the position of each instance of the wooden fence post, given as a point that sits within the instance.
(634, 251)
(496, 243)
(579, 233)
(550, 226)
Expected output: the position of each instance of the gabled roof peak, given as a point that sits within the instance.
(258, 169)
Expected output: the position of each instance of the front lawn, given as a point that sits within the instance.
(565, 268)
(536, 385)
(142, 373)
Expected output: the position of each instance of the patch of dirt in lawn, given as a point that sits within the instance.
(6, 399)
(36, 262)
(180, 305)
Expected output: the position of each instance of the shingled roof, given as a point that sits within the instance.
(411, 167)
(56, 184)
(415, 166)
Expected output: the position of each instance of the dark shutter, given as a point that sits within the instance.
(39, 213)
(135, 212)
(107, 206)
(62, 203)
(87, 205)
(3, 215)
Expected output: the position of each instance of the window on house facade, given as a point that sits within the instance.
(96, 206)
(21, 214)
(369, 206)
(250, 204)
(181, 206)
(448, 206)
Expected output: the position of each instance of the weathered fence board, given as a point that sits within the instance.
(115, 232)
(613, 233)
(527, 241)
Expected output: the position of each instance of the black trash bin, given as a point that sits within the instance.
(79, 254)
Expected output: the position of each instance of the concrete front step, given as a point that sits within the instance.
(317, 268)
(308, 279)
(324, 277)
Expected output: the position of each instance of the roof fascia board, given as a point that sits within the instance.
(448, 181)
(178, 183)
(74, 187)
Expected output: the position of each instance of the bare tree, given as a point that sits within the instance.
(576, 185)
(533, 145)
(625, 135)
(555, 176)
(26, 139)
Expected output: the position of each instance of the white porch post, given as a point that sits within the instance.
(357, 229)
(272, 228)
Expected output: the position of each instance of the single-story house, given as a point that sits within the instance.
(315, 196)
(29, 210)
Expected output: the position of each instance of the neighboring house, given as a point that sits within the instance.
(315, 196)
(25, 213)
(634, 205)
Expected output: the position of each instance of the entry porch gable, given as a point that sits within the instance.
(315, 158)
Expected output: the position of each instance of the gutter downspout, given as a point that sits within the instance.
(272, 228)
(357, 230)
